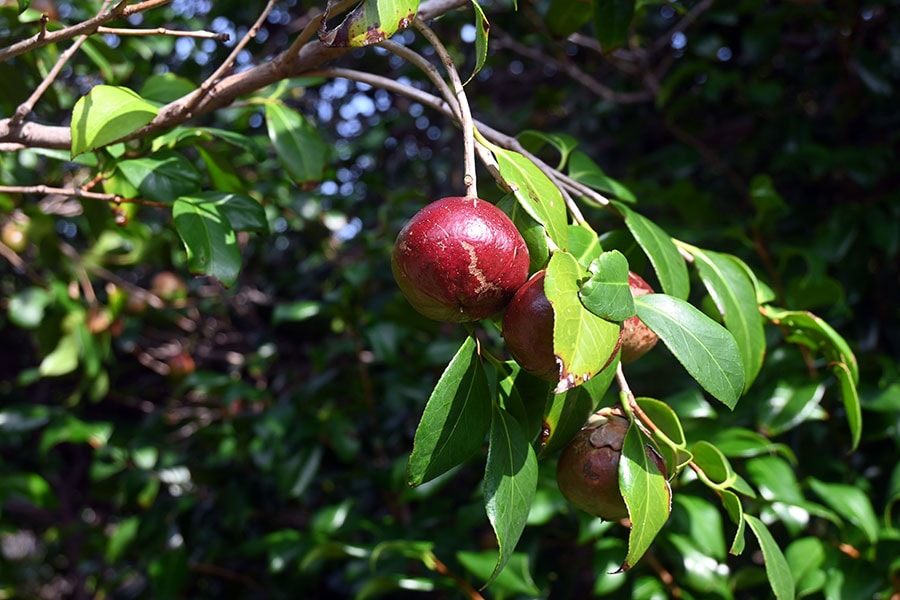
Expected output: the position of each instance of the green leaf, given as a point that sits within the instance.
(584, 170)
(67, 429)
(735, 298)
(607, 293)
(584, 343)
(805, 328)
(23, 5)
(893, 496)
(661, 250)
(162, 176)
(565, 17)
(209, 239)
(166, 87)
(372, 21)
(777, 569)
(566, 413)
(805, 558)
(243, 212)
(706, 349)
(612, 19)
(704, 524)
(106, 114)
(533, 233)
(222, 173)
(64, 357)
(535, 192)
(510, 481)
(27, 308)
(850, 396)
(563, 143)
(515, 579)
(299, 147)
(715, 470)
(737, 442)
(122, 536)
(482, 29)
(735, 511)
(669, 436)
(850, 502)
(791, 404)
(456, 418)
(584, 244)
(646, 492)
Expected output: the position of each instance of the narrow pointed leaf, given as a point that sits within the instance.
(607, 293)
(777, 568)
(706, 349)
(538, 195)
(482, 29)
(735, 298)
(850, 396)
(510, 481)
(456, 418)
(661, 250)
(647, 495)
(735, 510)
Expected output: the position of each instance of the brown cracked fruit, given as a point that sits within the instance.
(637, 338)
(459, 259)
(588, 469)
(528, 329)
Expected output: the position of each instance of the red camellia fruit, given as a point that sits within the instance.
(459, 259)
(528, 329)
(588, 469)
(637, 338)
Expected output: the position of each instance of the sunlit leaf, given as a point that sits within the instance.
(777, 569)
(510, 481)
(584, 170)
(563, 143)
(584, 343)
(850, 396)
(372, 21)
(851, 503)
(646, 492)
(790, 404)
(538, 195)
(482, 29)
(735, 298)
(584, 244)
(607, 293)
(735, 510)
(515, 579)
(704, 348)
(162, 176)
(106, 114)
(661, 250)
(456, 418)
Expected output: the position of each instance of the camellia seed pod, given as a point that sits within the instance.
(637, 338)
(459, 259)
(528, 329)
(588, 469)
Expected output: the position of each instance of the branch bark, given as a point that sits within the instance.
(222, 93)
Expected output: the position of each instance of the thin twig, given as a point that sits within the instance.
(46, 190)
(24, 109)
(466, 121)
(203, 35)
(204, 88)
(430, 71)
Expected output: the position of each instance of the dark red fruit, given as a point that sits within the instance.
(459, 259)
(528, 329)
(588, 469)
(637, 338)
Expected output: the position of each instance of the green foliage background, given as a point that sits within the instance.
(278, 468)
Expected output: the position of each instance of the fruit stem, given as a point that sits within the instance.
(465, 113)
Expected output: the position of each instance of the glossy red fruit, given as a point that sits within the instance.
(637, 338)
(588, 469)
(459, 259)
(528, 329)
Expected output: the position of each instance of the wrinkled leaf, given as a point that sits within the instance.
(372, 21)
(510, 481)
(106, 114)
(646, 492)
(456, 418)
(607, 293)
(584, 343)
(706, 349)
(661, 250)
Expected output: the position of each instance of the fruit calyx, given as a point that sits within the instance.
(459, 259)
